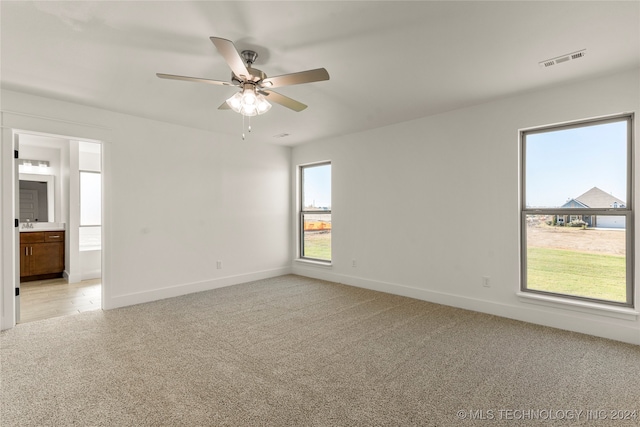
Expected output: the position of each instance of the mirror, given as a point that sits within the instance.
(37, 200)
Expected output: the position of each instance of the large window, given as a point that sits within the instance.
(90, 211)
(315, 212)
(576, 214)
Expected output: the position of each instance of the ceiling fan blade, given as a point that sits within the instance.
(308, 76)
(194, 79)
(230, 54)
(224, 106)
(285, 101)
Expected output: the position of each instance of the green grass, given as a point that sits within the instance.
(577, 273)
(317, 245)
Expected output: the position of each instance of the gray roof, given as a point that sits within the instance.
(596, 198)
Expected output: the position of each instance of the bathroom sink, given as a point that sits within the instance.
(42, 226)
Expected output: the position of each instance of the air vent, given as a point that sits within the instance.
(281, 135)
(564, 58)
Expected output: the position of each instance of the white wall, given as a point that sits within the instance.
(176, 200)
(89, 156)
(429, 206)
(426, 207)
(90, 267)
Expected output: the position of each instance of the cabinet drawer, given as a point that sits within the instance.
(54, 236)
(32, 237)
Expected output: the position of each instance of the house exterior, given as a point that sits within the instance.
(595, 198)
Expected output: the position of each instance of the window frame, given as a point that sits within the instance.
(627, 211)
(302, 211)
(80, 224)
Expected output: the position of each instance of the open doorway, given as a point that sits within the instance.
(61, 267)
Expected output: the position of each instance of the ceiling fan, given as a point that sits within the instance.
(255, 94)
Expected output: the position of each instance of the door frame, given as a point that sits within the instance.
(10, 255)
(9, 310)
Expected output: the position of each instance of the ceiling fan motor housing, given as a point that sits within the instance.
(256, 76)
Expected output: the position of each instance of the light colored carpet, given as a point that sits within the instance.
(293, 351)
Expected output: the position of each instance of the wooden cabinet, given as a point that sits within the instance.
(41, 255)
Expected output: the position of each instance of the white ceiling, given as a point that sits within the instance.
(389, 61)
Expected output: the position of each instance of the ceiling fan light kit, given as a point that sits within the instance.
(248, 102)
(255, 86)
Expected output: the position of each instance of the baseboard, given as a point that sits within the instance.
(189, 288)
(560, 319)
(71, 278)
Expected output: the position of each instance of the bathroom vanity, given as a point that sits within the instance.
(41, 253)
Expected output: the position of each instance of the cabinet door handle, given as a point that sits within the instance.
(31, 250)
(54, 237)
(26, 251)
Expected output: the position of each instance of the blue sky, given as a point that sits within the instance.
(561, 165)
(317, 186)
(564, 164)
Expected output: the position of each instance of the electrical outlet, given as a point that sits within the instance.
(353, 263)
(485, 282)
(219, 265)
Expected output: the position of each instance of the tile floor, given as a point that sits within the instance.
(43, 299)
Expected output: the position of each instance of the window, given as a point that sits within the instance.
(577, 237)
(90, 211)
(315, 212)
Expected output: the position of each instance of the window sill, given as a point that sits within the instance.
(624, 313)
(314, 263)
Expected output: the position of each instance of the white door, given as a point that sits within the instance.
(10, 260)
(16, 204)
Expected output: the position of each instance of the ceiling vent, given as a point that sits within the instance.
(564, 58)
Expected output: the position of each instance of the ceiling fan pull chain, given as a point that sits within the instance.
(249, 127)
(243, 127)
